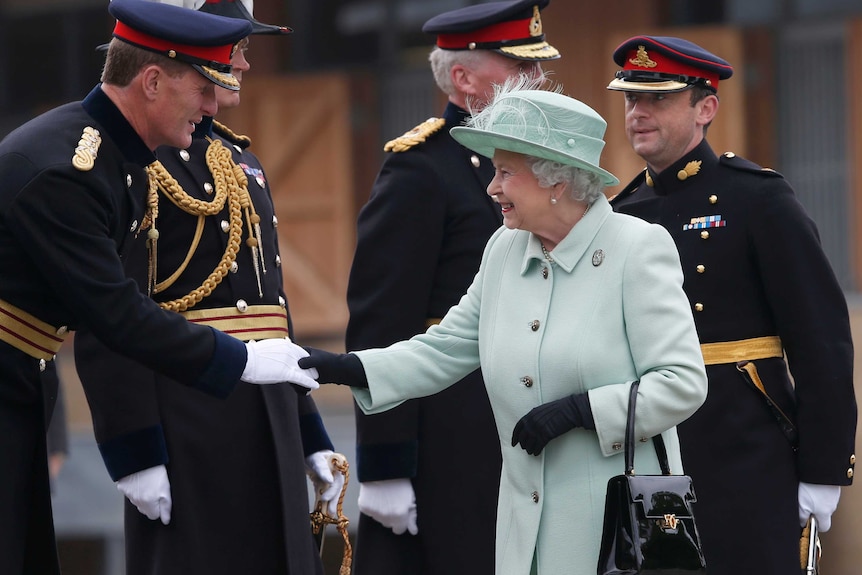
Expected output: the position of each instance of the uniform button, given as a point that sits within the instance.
(277, 260)
(701, 268)
(545, 273)
(704, 235)
(237, 148)
(713, 199)
(274, 221)
(128, 180)
(527, 381)
(616, 446)
(134, 226)
(729, 155)
(184, 154)
(234, 267)
(281, 301)
(241, 305)
(225, 226)
(534, 325)
(698, 307)
(535, 496)
(644, 439)
(853, 459)
(260, 181)
(474, 159)
(850, 473)
(62, 330)
(208, 188)
(43, 365)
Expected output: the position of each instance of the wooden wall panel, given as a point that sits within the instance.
(300, 130)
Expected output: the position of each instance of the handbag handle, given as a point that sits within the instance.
(657, 441)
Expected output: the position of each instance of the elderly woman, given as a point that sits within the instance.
(572, 303)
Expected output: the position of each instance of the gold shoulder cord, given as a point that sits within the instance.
(231, 186)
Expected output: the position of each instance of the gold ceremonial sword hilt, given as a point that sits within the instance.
(320, 518)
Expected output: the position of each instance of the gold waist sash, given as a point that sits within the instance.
(256, 322)
(28, 333)
(741, 350)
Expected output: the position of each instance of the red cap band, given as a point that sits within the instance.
(502, 32)
(220, 54)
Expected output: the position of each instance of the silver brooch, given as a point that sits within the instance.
(598, 258)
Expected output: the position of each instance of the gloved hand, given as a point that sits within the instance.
(550, 420)
(150, 491)
(343, 368)
(819, 501)
(327, 485)
(274, 361)
(390, 502)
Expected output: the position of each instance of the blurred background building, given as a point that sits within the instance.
(354, 74)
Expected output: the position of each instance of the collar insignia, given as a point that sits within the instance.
(690, 169)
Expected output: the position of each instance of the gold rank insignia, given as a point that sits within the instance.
(87, 150)
(690, 169)
(642, 59)
(415, 136)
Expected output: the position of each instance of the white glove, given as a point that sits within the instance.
(150, 491)
(327, 485)
(274, 361)
(391, 502)
(819, 501)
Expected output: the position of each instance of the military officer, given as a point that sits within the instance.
(72, 208)
(764, 454)
(428, 211)
(217, 263)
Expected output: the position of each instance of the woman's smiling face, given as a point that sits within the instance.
(524, 204)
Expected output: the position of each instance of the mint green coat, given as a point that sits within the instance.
(610, 310)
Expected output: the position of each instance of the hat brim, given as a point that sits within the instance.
(531, 52)
(666, 86)
(484, 143)
(220, 79)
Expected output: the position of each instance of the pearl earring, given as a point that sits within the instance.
(553, 201)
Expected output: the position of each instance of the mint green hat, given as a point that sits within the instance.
(541, 124)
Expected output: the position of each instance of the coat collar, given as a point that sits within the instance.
(112, 122)
(687, 169)
(569, 252)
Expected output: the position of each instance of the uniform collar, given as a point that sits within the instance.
(569, 252)
(455, 115)
(693, 164)
(117, 128)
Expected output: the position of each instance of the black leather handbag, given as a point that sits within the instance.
(649, 526)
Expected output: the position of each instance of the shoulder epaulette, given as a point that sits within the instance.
(230, 135)
(731, 160)
(629, 189)
(415, 136)
(87, 149)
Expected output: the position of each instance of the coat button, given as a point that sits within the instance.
(698, 307)
(282, 302)
(545, 273)
(184, 154)
(237, 148)
(274, 221)
(234, 267)
(616, 446)
(853, 459)
(701, 268)
(850, 473)
(277, 260)
(534, 325)
(474, 159)
(208, 187)
(535, 496)
(704, 235)
(527, 381)
(713, 199)
(225, 226)
(128, 180)
(644, 439)
(241, 305)
(43, 365)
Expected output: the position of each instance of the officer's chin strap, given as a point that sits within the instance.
(319, 517)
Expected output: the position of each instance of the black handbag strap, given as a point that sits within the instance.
(657, 441)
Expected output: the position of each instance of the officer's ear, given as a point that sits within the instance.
(706, 108)
(152, 79)
(460, 76)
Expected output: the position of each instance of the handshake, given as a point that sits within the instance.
(281, 360)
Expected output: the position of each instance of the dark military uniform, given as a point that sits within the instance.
(64, 232)
(420, 241)
(240, 502)
(755, 271)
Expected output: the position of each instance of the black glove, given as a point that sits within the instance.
(341, 368)
(550, 420)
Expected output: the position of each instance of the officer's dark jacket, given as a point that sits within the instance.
(754, 267)
(64, 233)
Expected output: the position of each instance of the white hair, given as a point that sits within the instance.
(442, 62)
(583, 185)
